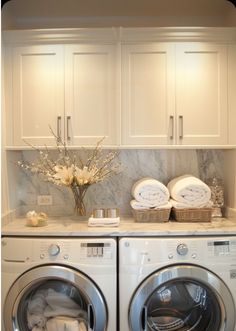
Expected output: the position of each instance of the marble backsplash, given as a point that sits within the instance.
(115, 192)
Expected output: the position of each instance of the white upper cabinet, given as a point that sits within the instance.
(201, 94)
(137, 87)
(37, 93)
(70, 87)
(90, 95)
(148, 94)
(232, 93)
(174, 94)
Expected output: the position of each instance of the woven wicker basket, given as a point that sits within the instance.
(192, 214)
(151, 215)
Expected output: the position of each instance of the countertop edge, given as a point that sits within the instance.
(66, 227)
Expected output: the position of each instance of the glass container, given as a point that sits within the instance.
(217, 196)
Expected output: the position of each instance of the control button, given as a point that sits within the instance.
(66, 256)
(95, 251)
(89, 251)
(182, 249)
(100, 251)
(194, 255)
(42, 256)
(54, 250)
(170, 256)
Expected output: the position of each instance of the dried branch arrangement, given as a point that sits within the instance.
(75, 169)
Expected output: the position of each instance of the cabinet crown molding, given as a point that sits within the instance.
(193, 34)
(111, 35)
(55, 36)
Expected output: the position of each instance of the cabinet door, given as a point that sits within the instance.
(90, 95)
(38, 94)
(232, 93)
(148, 98)
(201, 94)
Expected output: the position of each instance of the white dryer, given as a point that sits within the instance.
(77, 270)
(177, 284)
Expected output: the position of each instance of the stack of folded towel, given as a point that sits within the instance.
(188, 191)
(149, 193)
(49, 310)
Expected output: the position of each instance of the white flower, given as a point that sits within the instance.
(85, 175)
(64, 175)
(31, 213)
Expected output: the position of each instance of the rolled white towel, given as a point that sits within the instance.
(139, 206)
(61, 304)
(181, 205)
(189, 190)
(62, 323)
(150, 192)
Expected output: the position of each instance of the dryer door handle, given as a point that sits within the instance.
(90, 318)
(144, 318)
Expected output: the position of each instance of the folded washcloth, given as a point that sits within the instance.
(138, 205)
(104, 221)
(150, 192)
(61, 323)
(61, 304)
(181, 205)
(189, 190)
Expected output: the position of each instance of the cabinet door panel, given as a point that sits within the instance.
(90, 94)
(148, 94)
(201, 94)
(232, 93)
(38, 97)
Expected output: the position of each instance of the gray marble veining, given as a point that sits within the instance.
(115, 192)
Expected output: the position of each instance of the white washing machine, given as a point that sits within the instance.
(58, 275)
(177, 284)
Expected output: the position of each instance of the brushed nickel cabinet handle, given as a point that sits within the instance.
(172, 127)
(181, 127)
(58, 128)
(67, 127)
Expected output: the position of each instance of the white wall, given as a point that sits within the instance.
(230, 178)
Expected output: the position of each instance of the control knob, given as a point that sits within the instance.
(182, 249)
(54, 250)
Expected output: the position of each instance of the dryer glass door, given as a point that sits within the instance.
(54, 298)
(183, 298)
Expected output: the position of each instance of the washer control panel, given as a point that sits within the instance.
(90, 251)
(65, 250)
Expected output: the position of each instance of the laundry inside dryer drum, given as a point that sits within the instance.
(50, 304)
(182, 306)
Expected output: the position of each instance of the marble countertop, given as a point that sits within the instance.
(63, 227)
